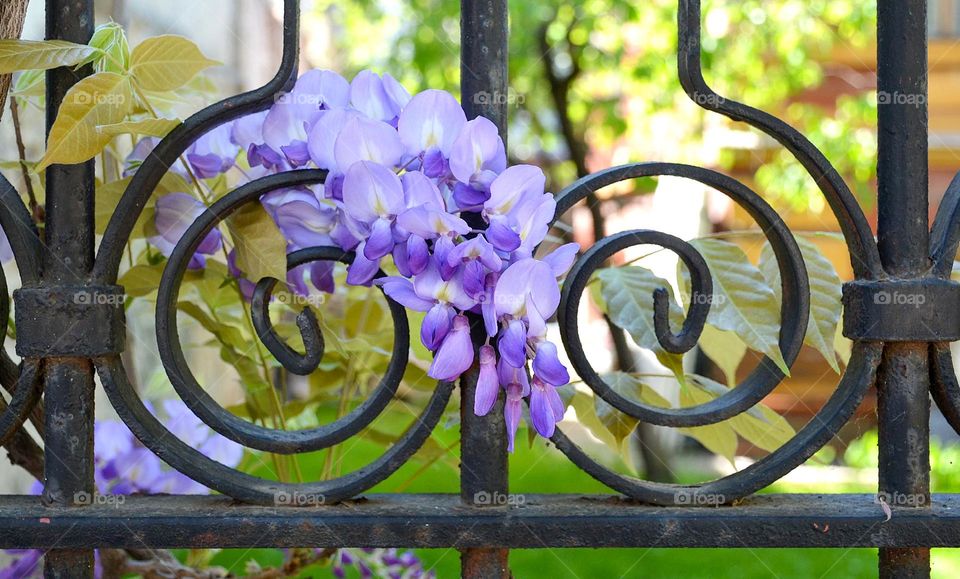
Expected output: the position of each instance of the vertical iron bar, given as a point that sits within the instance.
(68, 258)
(903, 405)
(483, 446)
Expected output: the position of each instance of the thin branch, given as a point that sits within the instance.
(35, 208)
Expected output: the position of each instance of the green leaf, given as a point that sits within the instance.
(167, 62)
(112, 41)
(627, 296)
(261, 248)
(743, 302)
(718, 438)
(760, 425)
(42, 54)
(825, 293)
(143, 127)
(726, 349)
(102, 99)
(617, 423)
(141, 280)
(109, 194)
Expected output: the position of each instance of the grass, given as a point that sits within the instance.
(542, 469)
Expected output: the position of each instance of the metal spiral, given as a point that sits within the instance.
(794, 311)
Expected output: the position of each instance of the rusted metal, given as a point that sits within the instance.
(902, 311)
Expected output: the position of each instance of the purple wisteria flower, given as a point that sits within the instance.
(174, 215)
(415, 190)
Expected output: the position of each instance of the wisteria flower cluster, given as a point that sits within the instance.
(412, 181)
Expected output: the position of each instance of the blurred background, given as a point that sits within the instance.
(593, 84)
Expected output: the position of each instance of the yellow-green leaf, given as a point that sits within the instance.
(112, 40)
(143, 127)
(627, 296)
(141, 280)
(618, 424)
(109, 194)
(760, 425)
(825, 293)
(726, 349)
(42, 54)
(167, 62)
(261, 248)
(101, 99)
(743, 302)
(718, 438)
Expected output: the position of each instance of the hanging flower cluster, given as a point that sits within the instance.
(410, 179)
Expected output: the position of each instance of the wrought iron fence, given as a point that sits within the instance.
(903, 351)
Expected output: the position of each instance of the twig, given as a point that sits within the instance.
(22, 152)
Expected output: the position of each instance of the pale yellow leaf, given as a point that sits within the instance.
(144, 127)
(167, 62)
(42, 54)
(102, 99)
(261, 248)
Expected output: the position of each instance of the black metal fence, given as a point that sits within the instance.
(904, 351)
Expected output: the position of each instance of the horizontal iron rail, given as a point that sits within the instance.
(437, 521)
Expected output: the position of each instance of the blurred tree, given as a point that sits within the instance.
(594, 83)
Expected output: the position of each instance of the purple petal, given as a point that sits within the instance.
(222, 450)
(541, 412)
(478, 147)
(296, 152)
(401, 290)
(561, 259)
(306, 224)
(501, 235)
(248, 130)
(436, 324)
(419, 190)
(323, 137)
(474, 279)
(513, 185)
(396, 91)
(368, 95)
(321, 276)
(380, 242)
(511, 413)
(488, 383)
(556, 403)
(513, 344)
(362, 139)
(527, 277)
(477, 248)
(547, 365)
(435, 165)
(455, 354)
(418, 255)
(488, 308)
(466, 197)
(433, 118)
(431, 223)
(370, 191)
(362, 270)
